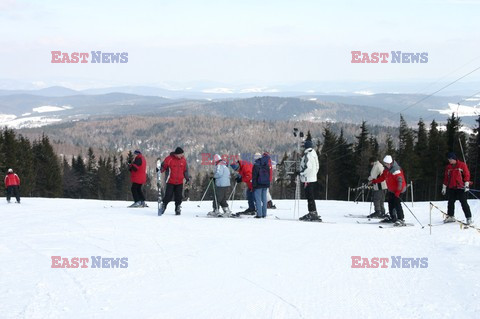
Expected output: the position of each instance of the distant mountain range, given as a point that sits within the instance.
(30, 108)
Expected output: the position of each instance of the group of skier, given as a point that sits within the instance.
(386, 178)
(389, 178)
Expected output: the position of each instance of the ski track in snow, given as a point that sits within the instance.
(188, 267)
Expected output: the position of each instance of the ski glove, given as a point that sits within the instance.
(238, 179)
(397, 194)
(467, 186)
(444, 190)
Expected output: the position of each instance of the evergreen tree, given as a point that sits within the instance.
(48, 180)
(362, 154)
(327, 174)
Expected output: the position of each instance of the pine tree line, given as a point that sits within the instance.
(421, 152)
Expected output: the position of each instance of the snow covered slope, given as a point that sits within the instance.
(194, 267)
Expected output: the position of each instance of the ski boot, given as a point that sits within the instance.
(311, 217)
(469, 221)
(178, 210)
(248, 211)
(399, 223)
(374, 215)
(270, 205)
(136, 205)
(162, 209)
(382, 215)
(388, 220)
(226, 212)
(214, 213)
(449, 219)
(143, 204)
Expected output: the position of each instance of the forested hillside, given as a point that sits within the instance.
(96, 166)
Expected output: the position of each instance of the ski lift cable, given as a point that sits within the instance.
(441, 89)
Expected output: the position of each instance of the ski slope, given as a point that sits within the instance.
(194, 267)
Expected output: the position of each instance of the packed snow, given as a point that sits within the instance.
(197, 267)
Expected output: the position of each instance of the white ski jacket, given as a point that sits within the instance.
(375, 172)
(309, 166)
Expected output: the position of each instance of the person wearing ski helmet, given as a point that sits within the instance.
(12, 184)
(138, 177)
(176, 171)
(396, 185)
(456, 184)
(308, 176)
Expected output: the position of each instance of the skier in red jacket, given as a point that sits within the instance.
(396, 185)
(176, 169)
(12, 184)
(244, 170)
(456, 183)
(138, 177)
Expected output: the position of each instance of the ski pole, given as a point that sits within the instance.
(470, 191)
(206, 190)
(474, 190)
(215, 196)
(411, 213)
(233, 191)
(232, 195)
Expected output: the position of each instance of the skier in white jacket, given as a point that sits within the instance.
(308, 176)
(379, 190)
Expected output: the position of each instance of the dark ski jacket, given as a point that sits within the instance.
(261, 174)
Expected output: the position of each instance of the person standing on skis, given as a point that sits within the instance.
(379, 189)
(456, 183)
(138, 177)
(308, 176)
(221, 178)
(12, 184)
(261, 176)
(396, 185)
(244, 169)
(176, 170)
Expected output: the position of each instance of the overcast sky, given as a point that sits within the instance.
(263, 43)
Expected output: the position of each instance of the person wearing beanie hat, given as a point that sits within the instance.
(396, 185)
(308, 144)
(456, 183)
(138, 177)
(176, 171)
(308, 176)
(221, 178)
(12, 184)
(379, 190)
